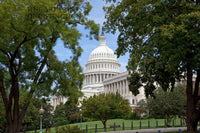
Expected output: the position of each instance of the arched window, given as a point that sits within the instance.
(133, 101)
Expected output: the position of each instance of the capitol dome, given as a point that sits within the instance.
(102, 51)
(101, 65)
(102, 59)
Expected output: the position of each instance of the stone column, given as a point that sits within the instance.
(113, 89)
(107, 89)
(89, 78)
(127, 90)
(120, 88)
(93, 78)
(125, 87)
(117, 88)
(100, 78)
(112, 86)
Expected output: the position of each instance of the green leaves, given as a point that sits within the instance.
(167, 104)
(105, 106)
(161, 37)
(29, 31)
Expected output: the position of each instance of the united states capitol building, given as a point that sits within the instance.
(103, 75)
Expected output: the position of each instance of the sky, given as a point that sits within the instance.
(97, 14)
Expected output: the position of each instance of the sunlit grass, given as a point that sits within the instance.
(127, 125)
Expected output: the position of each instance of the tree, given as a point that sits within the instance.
(162, 37)
(168, 104)
(59, 117)
(29, 31)
(105, 106)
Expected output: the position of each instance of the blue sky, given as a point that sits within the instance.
(97, 14)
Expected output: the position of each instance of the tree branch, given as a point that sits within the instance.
(5, 100)
(17, 29)
(2, 50)
(32, 90)
(3, 93)
(19, 65)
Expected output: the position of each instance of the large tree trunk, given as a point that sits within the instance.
(13, 128)
(14, 120)
(104, 123)
(192, 113)
(13, 117)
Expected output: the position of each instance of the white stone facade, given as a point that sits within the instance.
(57, 100)
(120, 84)
(102, 64)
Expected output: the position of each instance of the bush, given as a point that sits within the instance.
(68, 129)
(132, 116)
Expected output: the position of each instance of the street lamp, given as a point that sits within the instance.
(41, 112)
(81, 120)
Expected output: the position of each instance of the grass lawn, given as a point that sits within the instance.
(127, 125)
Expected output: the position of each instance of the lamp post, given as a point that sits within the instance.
(81, 120)
(41, 112)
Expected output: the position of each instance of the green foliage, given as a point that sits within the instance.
(105, 106)
(132, 116)
(29, 31)
(162, 37)
(60, 116)
(65, 114)
(69, 129)
(32, 118)
(168, 104)
(159, 38)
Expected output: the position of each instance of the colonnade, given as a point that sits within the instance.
(58, 100)
(120, 87)
(96, 78)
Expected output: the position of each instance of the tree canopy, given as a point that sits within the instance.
(105, 106)
(162, 37)
(29, 31)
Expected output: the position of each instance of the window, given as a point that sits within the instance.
(133, 101)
